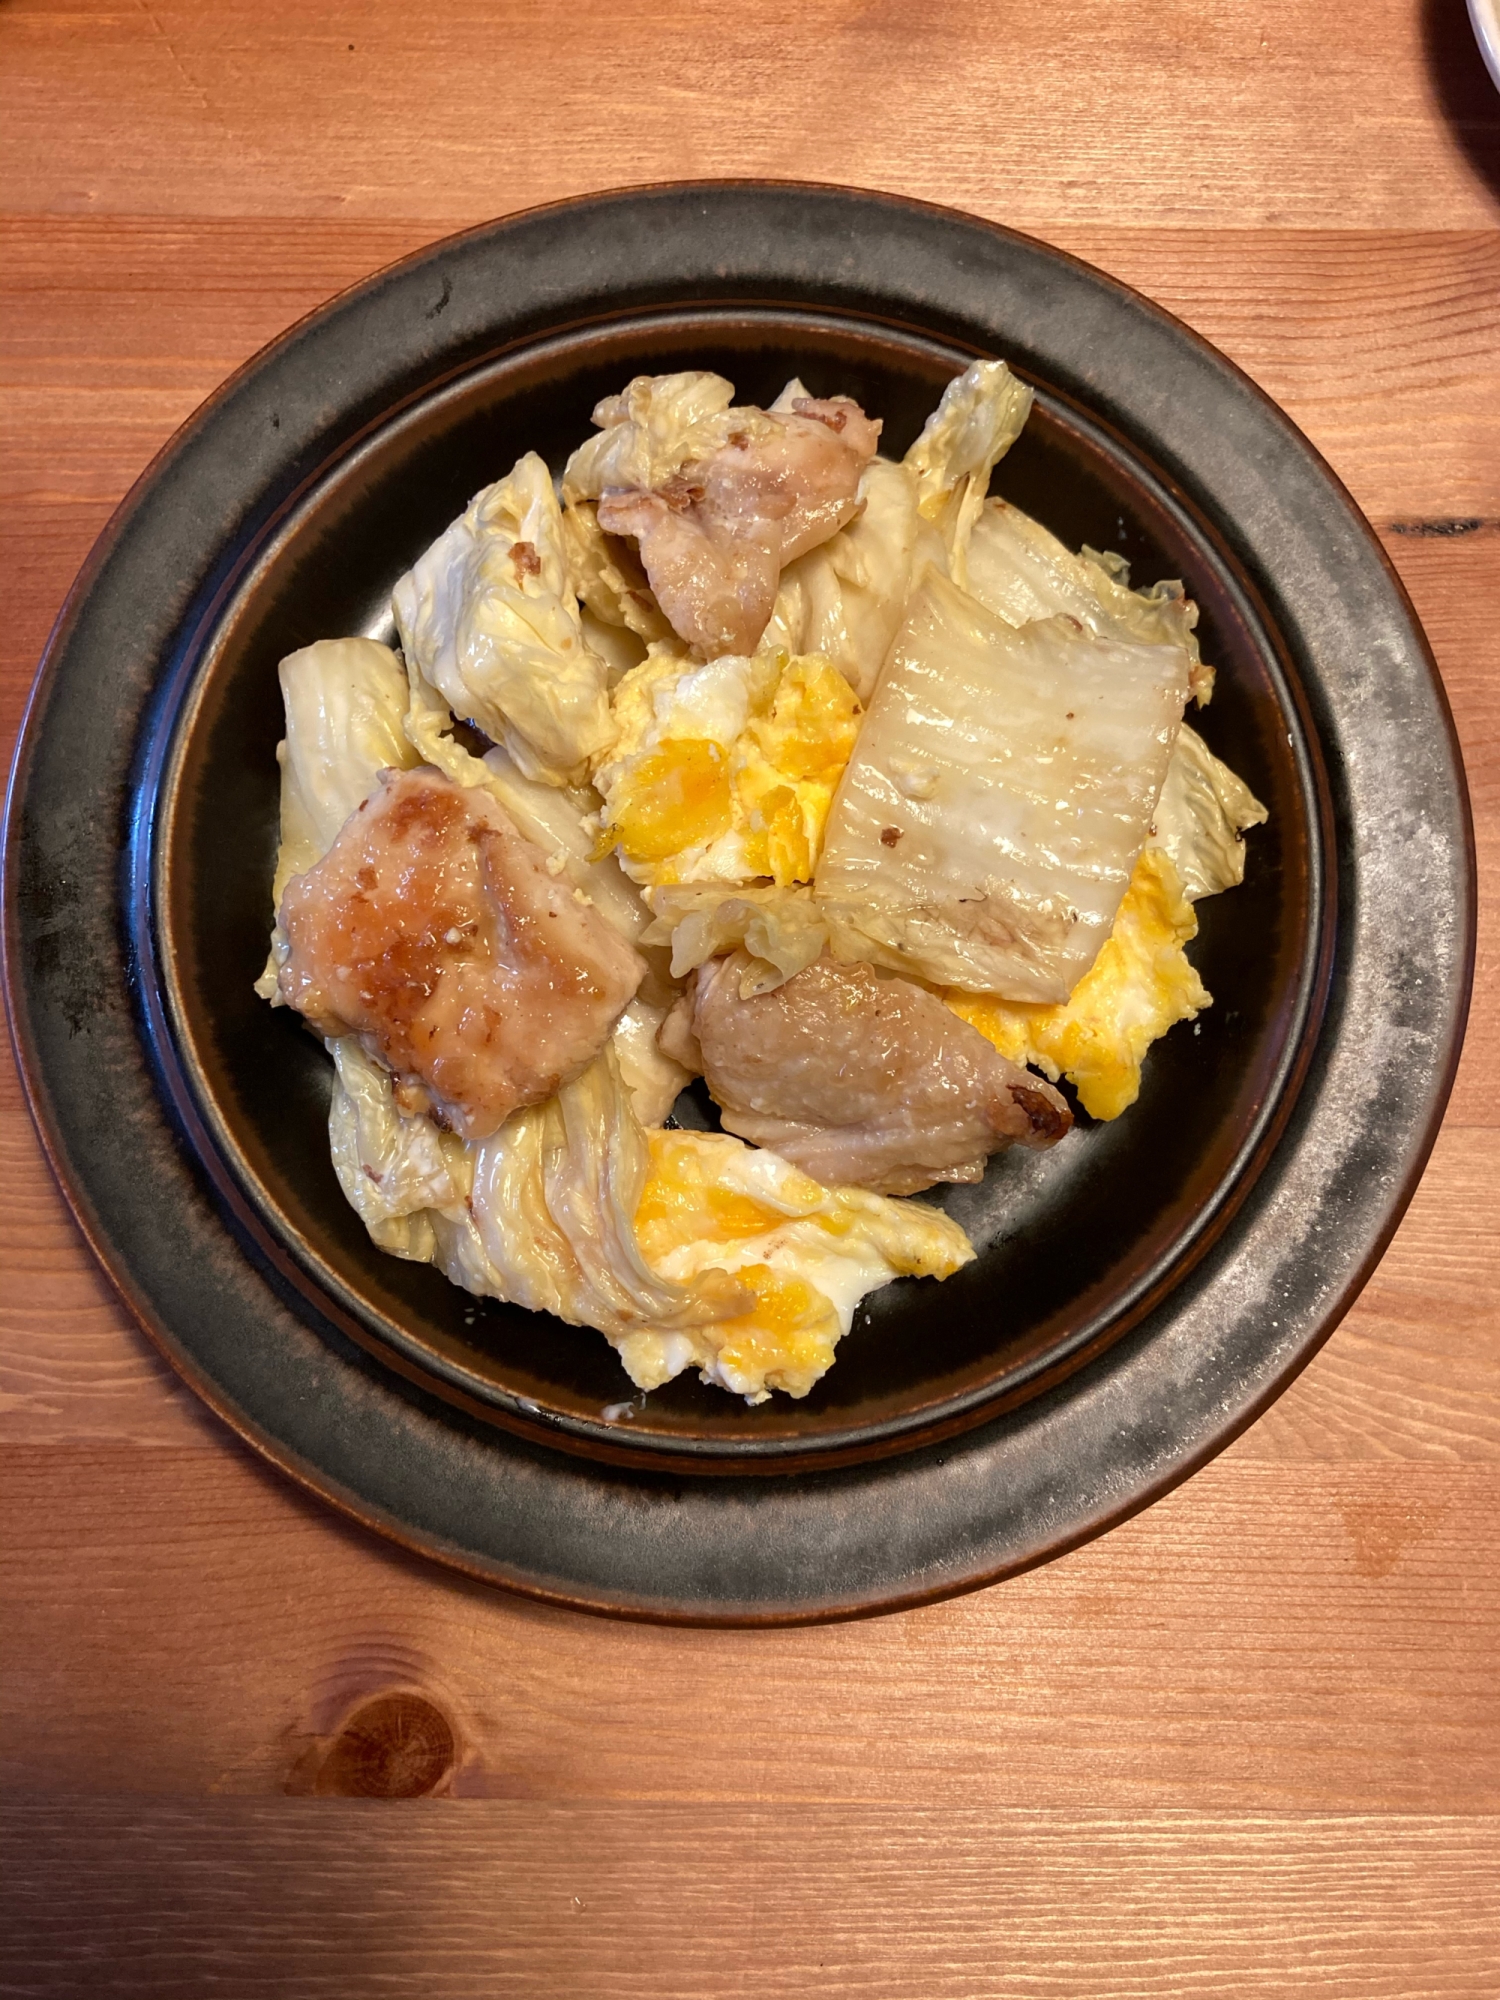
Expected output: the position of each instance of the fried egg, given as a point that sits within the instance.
(725, 772)
(1140, 985)
(807, 1253)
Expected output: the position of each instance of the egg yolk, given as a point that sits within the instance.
(809, 734)
(777, 841)
(679, 797)
(791, 1327)
(788, 763)
(770, 789)
(679, 1206)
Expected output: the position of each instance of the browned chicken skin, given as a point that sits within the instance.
(433, 930)
(863, 1081)
(714, 539)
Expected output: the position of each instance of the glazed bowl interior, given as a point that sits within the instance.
(1074, 1244)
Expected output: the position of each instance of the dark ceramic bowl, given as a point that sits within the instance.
(285, 513)
(1073, 1243)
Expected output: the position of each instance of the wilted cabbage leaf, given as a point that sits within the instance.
(782, 929)
(393, 1169)
(606, 575)
(1021, 571)
(487, 616)
(618, 647)
(997, 799)
(1202, 811)
(648, 431)
(982, 413)
(542, 1213)
(845, 599)
(344, 701)
(654, 1080)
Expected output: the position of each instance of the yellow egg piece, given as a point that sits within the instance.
(784, 729)
(788, 1336)
(788, 764)
(776, 837)
(806, 1253)
(813, 721)
(678, 797)
(1139, 986)
(679, 1206)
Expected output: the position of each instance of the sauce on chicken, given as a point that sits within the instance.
(862, 1081)
(433, 930)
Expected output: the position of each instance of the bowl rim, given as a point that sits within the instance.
(35, 992)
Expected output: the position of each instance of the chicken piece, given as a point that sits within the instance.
(863, 1081)
(676, 1038)
(715, 536)
(801, 471)
(433, 930)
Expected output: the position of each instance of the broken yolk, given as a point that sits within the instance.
(679, 1206)
(776, 838)
(679, 797)
(791, 1326)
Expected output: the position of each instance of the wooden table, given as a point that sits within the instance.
(1247, 1744)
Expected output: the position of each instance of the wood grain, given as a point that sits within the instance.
(1295, 1653)
(1273, 115)
(1268, 1637)
(1414, 1371)
(320, 1901)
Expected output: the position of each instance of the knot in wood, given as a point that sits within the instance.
(396, 1746)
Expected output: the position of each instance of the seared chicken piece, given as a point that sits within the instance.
(715, 536)
(432, 929)
(862, 1081)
